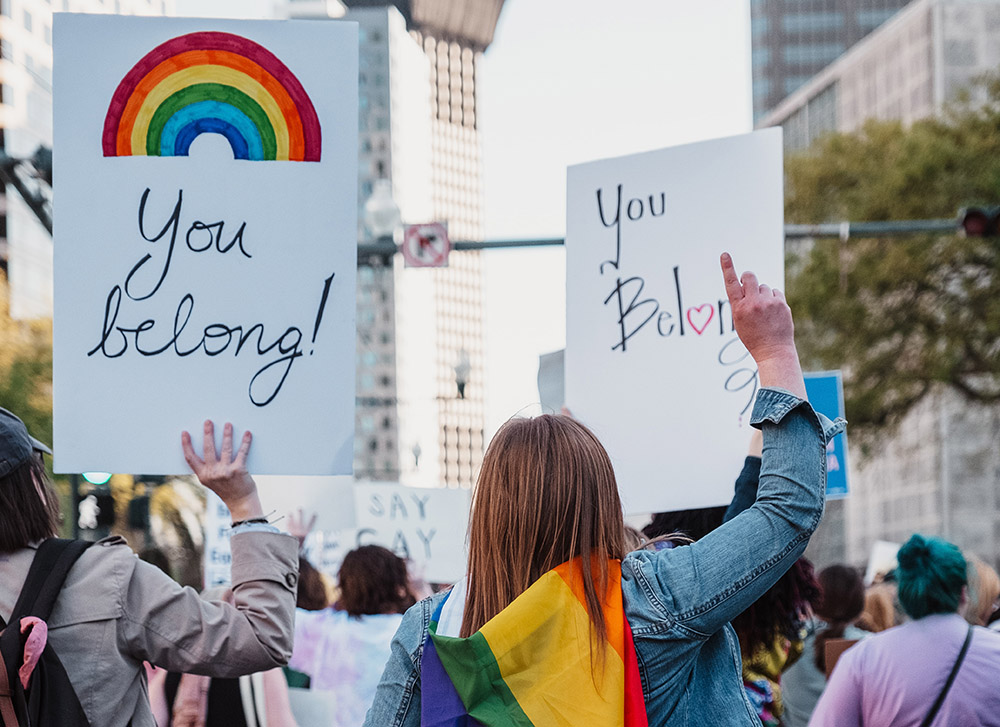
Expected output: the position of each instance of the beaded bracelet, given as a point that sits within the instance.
(262, 520)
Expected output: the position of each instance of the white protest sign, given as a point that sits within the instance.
(329, 499)
(218, 555)
(653, 364)
(427, 525)
(205, 240)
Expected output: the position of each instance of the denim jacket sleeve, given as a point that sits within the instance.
(745, 493)
(397, 697)
(701, 587)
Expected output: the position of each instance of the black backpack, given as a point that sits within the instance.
(49, 699)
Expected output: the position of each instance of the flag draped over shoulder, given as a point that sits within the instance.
(532, 665)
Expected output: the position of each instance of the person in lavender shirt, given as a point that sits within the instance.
(894, 678)
(344, 649)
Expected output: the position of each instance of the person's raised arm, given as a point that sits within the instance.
(706, 584)
(173, 627)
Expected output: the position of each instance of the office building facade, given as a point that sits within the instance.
(792, 40)
(922, 58)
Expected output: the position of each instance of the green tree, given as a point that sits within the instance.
(26, 368)
(900, 314)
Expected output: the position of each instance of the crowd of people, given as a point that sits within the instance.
(565, 616)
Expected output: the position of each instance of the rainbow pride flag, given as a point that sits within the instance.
(532, 666)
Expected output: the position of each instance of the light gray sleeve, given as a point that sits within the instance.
(173, 627)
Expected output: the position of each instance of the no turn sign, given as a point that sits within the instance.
(426, 246)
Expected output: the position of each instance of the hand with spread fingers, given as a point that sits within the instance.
(298, 527)
(763, 321)
(225, 474)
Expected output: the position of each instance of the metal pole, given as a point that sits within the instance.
(840, 230)
(74, 486)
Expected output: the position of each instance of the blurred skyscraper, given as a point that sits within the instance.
(926, 55)
(26, 124)
(421, 374)
(792, 40)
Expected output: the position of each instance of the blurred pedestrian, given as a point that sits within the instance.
(881, 609)
(555, 624)
(984, 592)
(841, 599)
(115, 611)
(935, 667)
(344, 649)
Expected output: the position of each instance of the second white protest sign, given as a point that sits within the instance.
(653, 363)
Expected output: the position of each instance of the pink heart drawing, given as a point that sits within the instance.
(700, 315)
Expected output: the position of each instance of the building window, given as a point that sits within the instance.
(28, 23)
(805, 22)
(813, 53)
(794, 83)
(870, 19)
(758, 25)
(761, 57)
(5, 7)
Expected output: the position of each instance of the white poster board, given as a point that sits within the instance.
(653, 364)
(205, 240)
(427, 525)
(329, 499)
(218, 562)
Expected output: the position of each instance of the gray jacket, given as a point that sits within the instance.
(115, 612)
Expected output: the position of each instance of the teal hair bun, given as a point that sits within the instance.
(931, 575)
(915, 555)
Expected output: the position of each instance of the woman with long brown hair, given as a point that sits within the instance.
(555, 625)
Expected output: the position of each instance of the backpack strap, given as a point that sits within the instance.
(52, 563)
(951, 678)
(48, 571)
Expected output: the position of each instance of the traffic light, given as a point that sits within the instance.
(979, 221)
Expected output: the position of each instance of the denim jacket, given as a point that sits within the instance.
(679, 601)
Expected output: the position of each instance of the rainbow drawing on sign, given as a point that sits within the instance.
(212, 83)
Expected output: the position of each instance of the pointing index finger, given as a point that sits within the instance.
(733, 288)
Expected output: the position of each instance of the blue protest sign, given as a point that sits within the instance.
(826, 394)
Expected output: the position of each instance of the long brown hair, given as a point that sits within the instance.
(546, 494)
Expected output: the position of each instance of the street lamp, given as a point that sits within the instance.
(380, 212)
(462, 370)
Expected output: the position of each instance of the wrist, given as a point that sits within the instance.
(247, 507)
(782, 371)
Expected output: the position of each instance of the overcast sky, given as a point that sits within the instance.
(567, 81)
